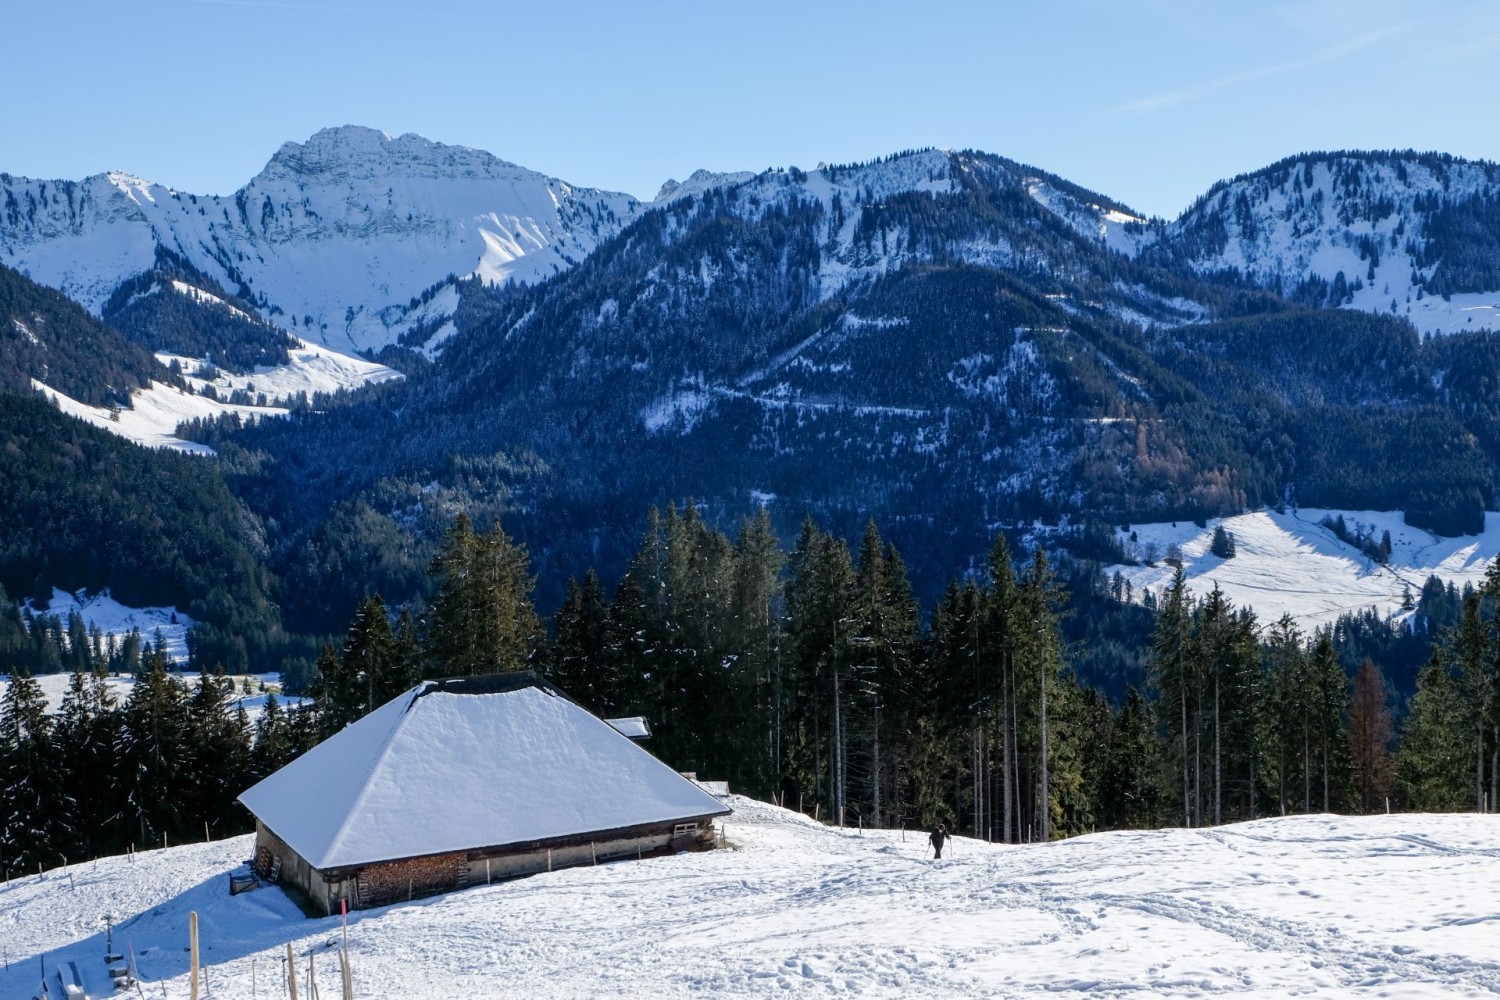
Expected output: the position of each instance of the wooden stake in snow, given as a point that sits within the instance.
(291, 970)
(549, 859)
(193, 955)
(593, 853)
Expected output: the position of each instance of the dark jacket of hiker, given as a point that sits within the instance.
(937, 839)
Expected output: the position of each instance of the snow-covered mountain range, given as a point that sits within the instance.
(350, 239)
(346, 240)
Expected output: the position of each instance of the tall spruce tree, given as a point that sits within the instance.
(217, 754)
(1371, 765)
(86, 737)
(36, 817)
(1434, 768)
(482, 621)
(756, 634)
(1173, 677)
(152, 754)
(820, 624)
(581, 662)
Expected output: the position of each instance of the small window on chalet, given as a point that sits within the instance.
(683, 829)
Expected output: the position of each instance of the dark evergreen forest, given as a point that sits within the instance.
(816, 678)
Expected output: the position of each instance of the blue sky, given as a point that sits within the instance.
(1149, 101)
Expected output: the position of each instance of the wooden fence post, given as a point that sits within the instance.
(193, 955)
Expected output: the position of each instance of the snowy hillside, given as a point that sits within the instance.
(114, 620)
(1323, 906)
(343, 239)
(1291, 564)
(1388, 233)
(154, 413)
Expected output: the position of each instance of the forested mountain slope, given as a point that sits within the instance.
(948, 342)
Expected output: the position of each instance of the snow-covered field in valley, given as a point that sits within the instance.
(1292, 564)
(1388, 906)
(155, 412)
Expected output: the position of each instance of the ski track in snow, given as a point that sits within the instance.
(1385, 906)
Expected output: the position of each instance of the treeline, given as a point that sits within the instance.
(100, 777)
(810, 677)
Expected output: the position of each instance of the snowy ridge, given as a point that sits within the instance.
(1321, 216)
(1318, 906)
(1119, 231)
(698, 182)
(1291, 564)
(334, 239)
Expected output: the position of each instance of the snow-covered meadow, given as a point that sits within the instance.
(155, 412)
(1292, 564)
(1387, 906)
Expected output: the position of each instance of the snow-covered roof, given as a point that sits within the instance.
(464, 764)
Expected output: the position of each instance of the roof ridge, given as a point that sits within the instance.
(364, 785)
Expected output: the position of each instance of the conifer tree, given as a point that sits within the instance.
(757, 629)
(1370, 731)
(1329, 701)
(372, 664)
(217, 753)
(273, 744)
(1038, 643)
(1284, 718)
(820, 625)
(1173, 677)
(580, 660)
(482, 621)
(1471, 651)
(882, 648)
(994, 683)
(152, 753)
(1434, 770)
(36, 819)
(86, 737)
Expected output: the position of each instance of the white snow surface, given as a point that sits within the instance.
(1290, 564)
(1314, 906)
(436, 770)
(336, 236)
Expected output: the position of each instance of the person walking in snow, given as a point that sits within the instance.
(937, 839)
